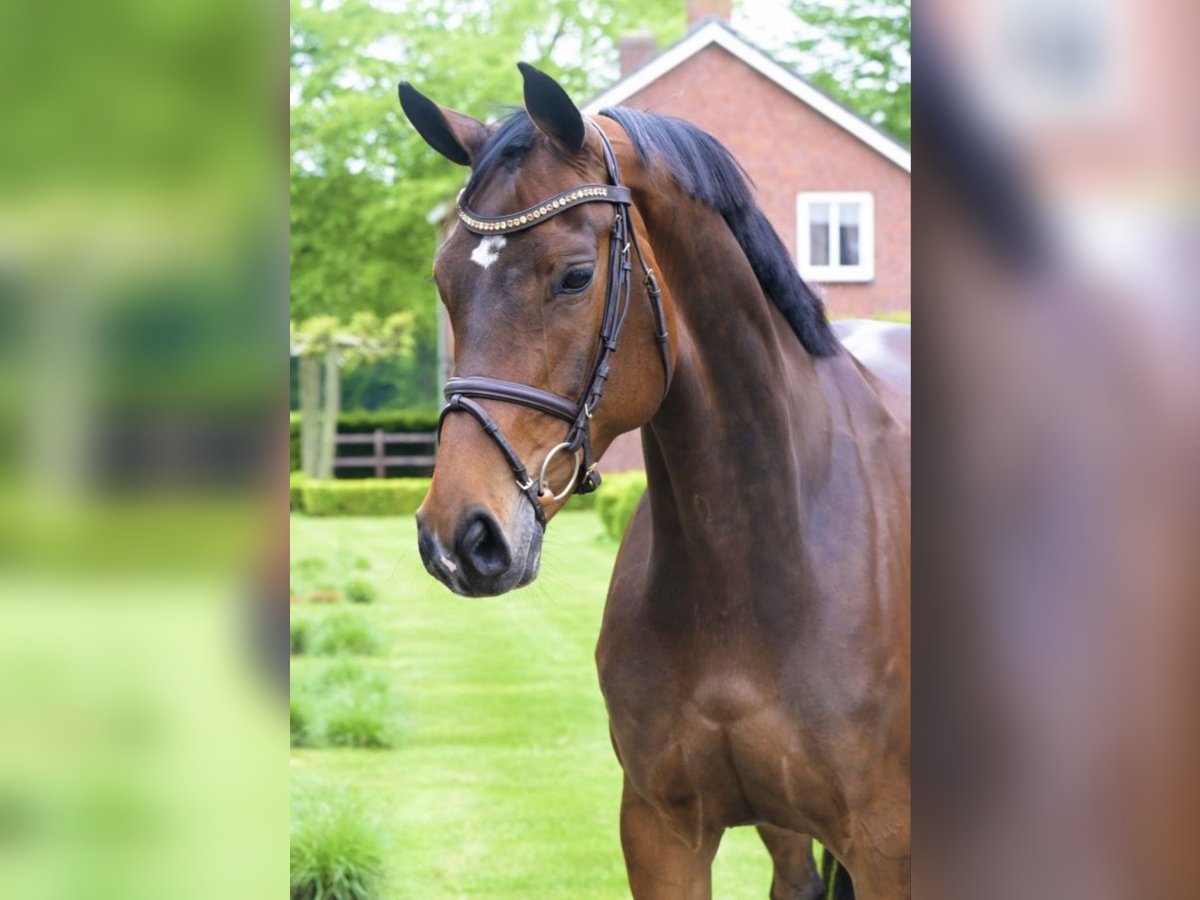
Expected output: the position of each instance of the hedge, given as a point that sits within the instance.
(364, 497)
(296, 490)
(404, 421)
(616, 500)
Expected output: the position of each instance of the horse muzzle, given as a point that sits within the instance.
(481, 558)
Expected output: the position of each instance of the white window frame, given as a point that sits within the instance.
(865, 270)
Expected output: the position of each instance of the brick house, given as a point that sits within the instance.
(835, 187)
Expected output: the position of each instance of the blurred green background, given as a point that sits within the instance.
(142, 385)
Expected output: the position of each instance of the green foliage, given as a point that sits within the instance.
(300, 722)
(365, 497)
(581, 502)
(342, 633)
(361, 591)
(343, 704)
(865, 58)
(363, 182)
(307, 568)
(617, 499)
(406, 421)
(336, 851)
(299, 635)
(294, 442)
(296, 489)
(403, 421)
(898, 315)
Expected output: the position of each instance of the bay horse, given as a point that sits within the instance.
(754, 650)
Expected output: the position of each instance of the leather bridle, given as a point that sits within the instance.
(461, 393)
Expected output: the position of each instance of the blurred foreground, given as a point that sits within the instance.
(1058, 492)
(142, 384)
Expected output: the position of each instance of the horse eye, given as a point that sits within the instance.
(576, 280)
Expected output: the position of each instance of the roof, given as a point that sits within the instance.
(715, 32)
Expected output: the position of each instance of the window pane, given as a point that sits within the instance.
(818, 234)
(848, 232)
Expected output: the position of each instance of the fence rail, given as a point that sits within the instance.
(380, 459)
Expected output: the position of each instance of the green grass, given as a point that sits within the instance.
(345, 703)
(343, 633)
(502, 782)
(337, 853)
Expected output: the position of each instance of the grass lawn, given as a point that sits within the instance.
(502, 781)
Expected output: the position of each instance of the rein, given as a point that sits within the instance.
(461, 393)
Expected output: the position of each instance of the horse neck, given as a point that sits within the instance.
(746, 425)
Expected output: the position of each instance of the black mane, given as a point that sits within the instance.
(707, 171)
(710, 174)
(509, 144)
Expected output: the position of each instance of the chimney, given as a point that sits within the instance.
(636, 50)
(699, 10)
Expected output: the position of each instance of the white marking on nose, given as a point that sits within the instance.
(449, 564)
(488, 250)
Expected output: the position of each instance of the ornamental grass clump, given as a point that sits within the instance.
(336, 851)
(343, 633)
(345, 703)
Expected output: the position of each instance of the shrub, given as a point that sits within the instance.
(405, 421)
(296, 490)
(300, 635)
(361, 591)
(336, 852)
(294, 441)
(617, 499)
(580, 502)
(343, 704)
(343, 633)
(358, 718)
(300, 720)
(365, 497)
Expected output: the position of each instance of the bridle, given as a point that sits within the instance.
(460, 392)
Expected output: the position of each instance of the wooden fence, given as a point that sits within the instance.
(380, 460)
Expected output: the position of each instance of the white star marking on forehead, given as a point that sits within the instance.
(488, 250)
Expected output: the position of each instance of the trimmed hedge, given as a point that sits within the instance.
(364, 497)
(296, 491)
(404, 421)
(580, 502)
(617, 499)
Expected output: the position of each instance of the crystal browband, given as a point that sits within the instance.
(588, 193)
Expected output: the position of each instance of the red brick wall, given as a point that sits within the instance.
(787, 147)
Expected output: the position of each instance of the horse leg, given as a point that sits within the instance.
(877, 877)
(796, 876)
(660, 863)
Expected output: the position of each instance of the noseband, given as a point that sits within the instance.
(461, 393)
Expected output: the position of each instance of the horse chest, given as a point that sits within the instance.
(702, 748)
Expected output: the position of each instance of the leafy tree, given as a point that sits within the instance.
(363, 183)
(322, 342)
(865, 49)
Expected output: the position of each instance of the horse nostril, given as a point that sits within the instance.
(483, 548)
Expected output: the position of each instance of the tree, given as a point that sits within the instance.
(324, 345)
(363, 183)
(865, 53)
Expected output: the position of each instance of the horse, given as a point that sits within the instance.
(754, 647)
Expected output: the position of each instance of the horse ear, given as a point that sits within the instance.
(552, 110)
(457, 137)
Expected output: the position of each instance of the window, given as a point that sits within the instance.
(836, 236)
